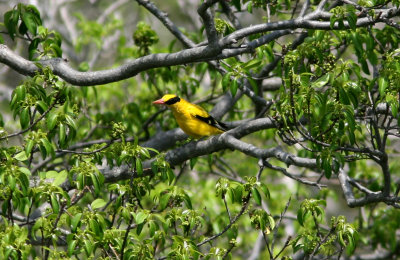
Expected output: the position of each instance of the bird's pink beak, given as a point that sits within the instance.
(159, 102)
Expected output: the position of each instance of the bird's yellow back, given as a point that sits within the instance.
(191, 118)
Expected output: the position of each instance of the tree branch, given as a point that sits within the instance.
(233, 221)
(197, 54)
(163, 17)
(368, 198)
(208, 20)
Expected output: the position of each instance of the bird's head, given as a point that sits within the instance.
(168, 99)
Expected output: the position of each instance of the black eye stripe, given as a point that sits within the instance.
(172, 101)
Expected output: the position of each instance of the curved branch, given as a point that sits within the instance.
(308, 22)
(163, 17)
(213, 144)
(208, 20)
(242, 210)
(370, 197)
(61, 68)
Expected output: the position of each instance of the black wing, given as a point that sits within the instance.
(213, 122)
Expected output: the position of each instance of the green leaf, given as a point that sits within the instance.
(75, 221)
(394, 107)
(170, 176)
(333, 20)
(62, 133)
(24, 117)
(383, 84)
(234, 87)
(29, 146)
(21, 156)
(24, 181)
(238, 191)
(140, 217)
(98, 203)
(364, 66)
(265, 190)
(30, 22)
(139, 166)
(88, 246)
(300, 216)
(139, 228)
(32, 49)
(327, 167)
(54, 203)
(251, 64)
(56, 50)
(96, 183)
(80, 181)
(41, 106)
(60, 178)
(71, 122)
(71, 247)
(353, 96)
(94, 226)
(22, 29)
(271, 222)
(256, 195)
(25, 171)
(11, 181)
(164, 199)
(250, 7)
(152, 228)
(352, 20)
(51, 174)
(11, 22)
(193, 162)
(341, 240)
(34, 11)
(52, 121)
(188, 201)
(344, 99)
(261, 220)
(84, 66)
(49, 148)
(322, 81)
(226, 80)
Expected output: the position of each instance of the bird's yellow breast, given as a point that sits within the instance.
(184, 113)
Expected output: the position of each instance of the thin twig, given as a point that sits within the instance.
(34, 123)
(286, 173)
(322, 241)
(226, 207)
(271, 254)
(233, 221)
(279, 223)
(228, 251)
(284, 247)
(128, 228)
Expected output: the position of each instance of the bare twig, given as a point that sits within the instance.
(226, 207)
(128, 228)
(233, 221)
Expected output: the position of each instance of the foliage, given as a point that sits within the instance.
(93, 171)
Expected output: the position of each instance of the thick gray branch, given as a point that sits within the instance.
(214, 51)
(227, 140)
(306, 22)
(370, 197)
(61, 68)
(208, 20)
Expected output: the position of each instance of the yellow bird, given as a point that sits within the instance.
(191, 118)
